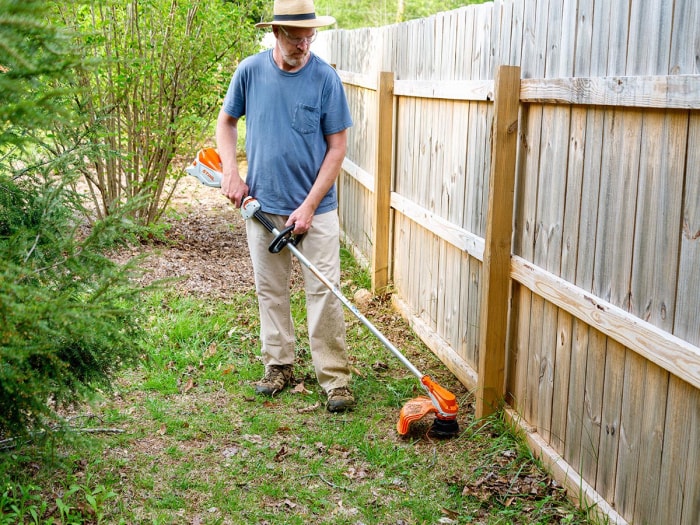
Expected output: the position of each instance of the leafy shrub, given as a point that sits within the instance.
(158, 72)
(66, 310)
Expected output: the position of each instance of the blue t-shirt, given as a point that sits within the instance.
(287, 118)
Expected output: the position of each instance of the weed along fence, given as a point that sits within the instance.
(525, 175)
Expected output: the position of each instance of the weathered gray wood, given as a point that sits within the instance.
(674, 456)
(687, 312)
(606, 206)
(674, 92)
(479, 90)
(651, 444)
(658, 346)
(685, 39)
(628, 458)
(610, 420)
(691, 484)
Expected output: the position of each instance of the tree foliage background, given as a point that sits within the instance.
(374, 13)
(160, 69)
(66, 311)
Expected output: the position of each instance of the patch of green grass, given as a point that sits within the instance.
(193, 443)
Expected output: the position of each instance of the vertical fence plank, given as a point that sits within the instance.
(579, 224)
(496, 267)
(628, 458)
(674, 456)
(651, 444)
(685, 39)
(610, 420)
(382, 182)
(691, 487)
(687, 312)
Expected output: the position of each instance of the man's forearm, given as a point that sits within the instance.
(330, 169)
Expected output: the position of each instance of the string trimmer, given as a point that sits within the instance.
(438, 400)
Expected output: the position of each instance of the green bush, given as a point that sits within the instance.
(67, 312)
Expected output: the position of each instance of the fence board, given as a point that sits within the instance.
(687, 311)
(455, 190)
(547, 253)
(550, 211)
(610, 420)
(494, 299)
(691, 487)
(560, 381)
(676, 445)
(473, 329)
(651, 444)
(448, 294)
(382, 183)
(659, 207)
(478, 90)
(593, 405)
(628, 457)
(685, 39)
(577, 388)
(677, 92)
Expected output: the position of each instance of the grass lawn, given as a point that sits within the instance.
(183, 439)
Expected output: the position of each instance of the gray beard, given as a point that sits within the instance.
(294, 62)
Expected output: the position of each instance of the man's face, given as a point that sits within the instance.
(294, 44)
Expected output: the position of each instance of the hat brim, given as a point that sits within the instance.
(320, 21)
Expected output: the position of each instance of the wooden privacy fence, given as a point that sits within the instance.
(525, 175)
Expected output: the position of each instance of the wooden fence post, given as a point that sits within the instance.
(495, 279)
(382, 182)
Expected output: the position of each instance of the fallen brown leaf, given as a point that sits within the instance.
(211, 350)
(281, 453)
(301, 389)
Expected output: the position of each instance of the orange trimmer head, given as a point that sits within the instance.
(440, 402)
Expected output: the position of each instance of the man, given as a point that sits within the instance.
(296, 120)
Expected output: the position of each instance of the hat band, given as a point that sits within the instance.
(292, 18)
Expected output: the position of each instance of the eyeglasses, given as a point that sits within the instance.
(296, 41)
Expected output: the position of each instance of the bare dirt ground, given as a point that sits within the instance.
(206, 248)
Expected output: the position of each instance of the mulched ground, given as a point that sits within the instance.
(206, 248)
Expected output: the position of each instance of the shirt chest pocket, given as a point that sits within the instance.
(306, 118)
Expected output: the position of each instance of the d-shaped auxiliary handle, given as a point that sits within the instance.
(282, 239)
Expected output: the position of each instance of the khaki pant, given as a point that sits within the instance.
(324, 311)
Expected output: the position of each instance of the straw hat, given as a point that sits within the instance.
(296, 13)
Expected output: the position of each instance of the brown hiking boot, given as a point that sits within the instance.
(276, 378)
(340, 400)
